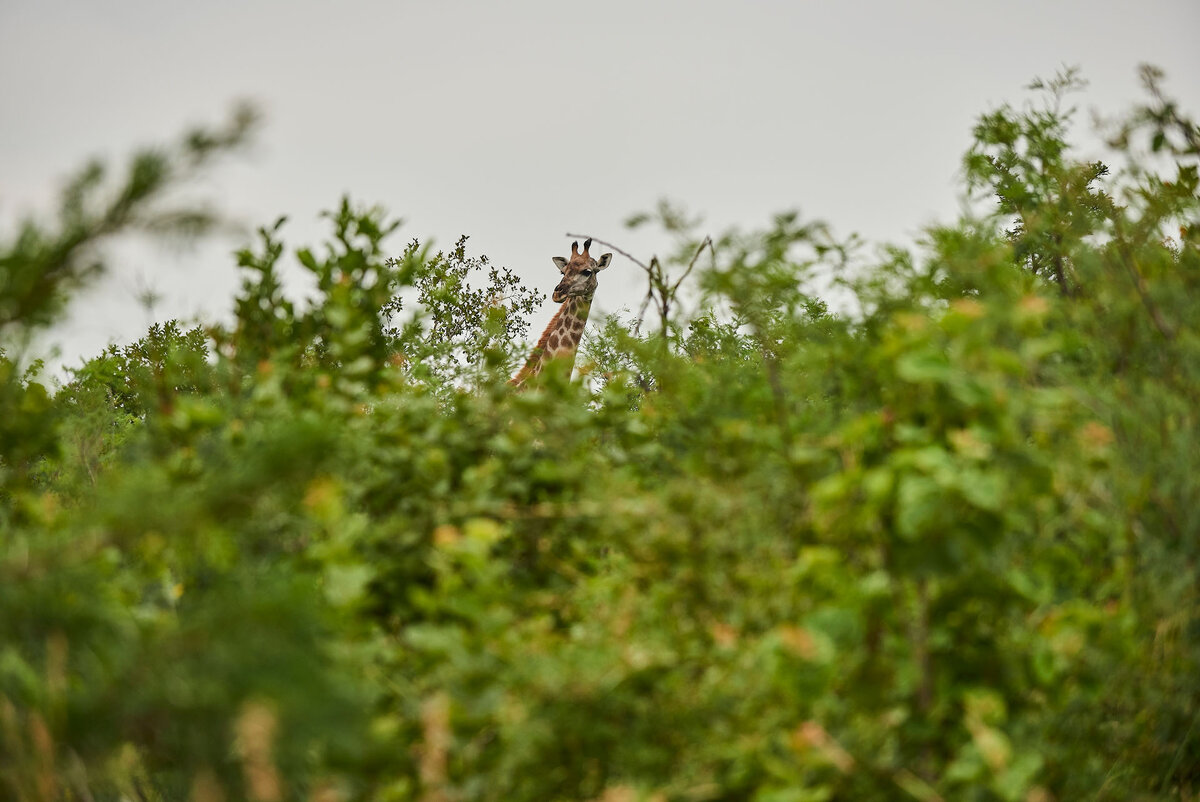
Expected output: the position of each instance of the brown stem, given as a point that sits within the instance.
(1057, 261)
(1139, 283)
(658, 289)
(778, 396)
(920, 636)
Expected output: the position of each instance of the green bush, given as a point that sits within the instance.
(932, 537)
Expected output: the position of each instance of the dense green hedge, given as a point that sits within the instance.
(940, 544)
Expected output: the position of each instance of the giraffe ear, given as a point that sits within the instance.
(603, 261)
(560, 263)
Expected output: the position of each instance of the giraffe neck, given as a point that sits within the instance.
(560, 339)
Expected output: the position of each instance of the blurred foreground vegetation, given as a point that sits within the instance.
(941, 544)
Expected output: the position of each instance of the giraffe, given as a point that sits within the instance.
(574, 292)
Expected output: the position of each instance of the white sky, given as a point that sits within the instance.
(515, 122)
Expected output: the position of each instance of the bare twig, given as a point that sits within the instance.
(637, 326)
(707, 243)
(656, 280)
(626, 254)
(649, 269)
(666, 295)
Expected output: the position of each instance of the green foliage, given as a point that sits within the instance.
(41, 266)
(26, 421)
(46, 261)
(1022, 159)
(457, 319)
(337, 339)
(940, 546)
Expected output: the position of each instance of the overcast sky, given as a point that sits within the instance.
(517, 121)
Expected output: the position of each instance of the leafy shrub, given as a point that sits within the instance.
(939, 546)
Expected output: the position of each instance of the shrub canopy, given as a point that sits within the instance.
(931, 532)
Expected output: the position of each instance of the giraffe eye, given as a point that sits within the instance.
(587, 272)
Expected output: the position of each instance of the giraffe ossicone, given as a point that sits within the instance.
(561, 338)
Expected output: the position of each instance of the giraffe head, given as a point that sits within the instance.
(579, 272)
